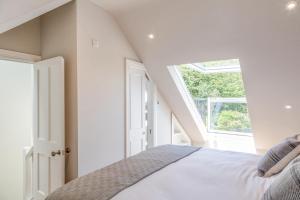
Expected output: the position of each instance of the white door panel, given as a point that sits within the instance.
(136, 88)
(49, 132)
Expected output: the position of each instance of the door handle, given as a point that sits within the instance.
(54, 153)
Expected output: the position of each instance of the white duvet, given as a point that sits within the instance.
(204, 175)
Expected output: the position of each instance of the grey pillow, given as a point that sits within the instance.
(287, 185)
(276, 153)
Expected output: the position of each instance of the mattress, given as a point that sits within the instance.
(204, 175)
(172, 173)
(105, 183)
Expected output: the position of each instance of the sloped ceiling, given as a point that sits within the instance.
(262, 34)
(16, 12)
(121, 6)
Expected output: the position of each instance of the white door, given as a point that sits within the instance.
(49, 132)
(136, 136)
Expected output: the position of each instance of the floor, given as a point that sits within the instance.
(236, 143)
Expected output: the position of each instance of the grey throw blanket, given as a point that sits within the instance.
(105, 183)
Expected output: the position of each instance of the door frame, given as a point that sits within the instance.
(131, 64)
(19, 57)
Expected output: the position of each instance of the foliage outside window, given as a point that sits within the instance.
(224, 116)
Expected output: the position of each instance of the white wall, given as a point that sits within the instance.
(15, 125)
(101, 88)
(95, 78)
(164, 121)
(24, 38)
(97, 73)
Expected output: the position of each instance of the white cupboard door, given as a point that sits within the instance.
(136, 88)
(49, 130)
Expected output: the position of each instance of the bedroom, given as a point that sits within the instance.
(95, 38)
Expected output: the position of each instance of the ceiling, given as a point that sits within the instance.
(262, 34)
(120, 6)
(16, 12)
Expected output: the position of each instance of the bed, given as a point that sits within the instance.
(175, 173)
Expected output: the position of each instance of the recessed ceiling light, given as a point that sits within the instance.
(288, 107)
(151, 36)
(291, 5)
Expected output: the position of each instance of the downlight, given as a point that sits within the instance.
(291, 5)
(151, 36)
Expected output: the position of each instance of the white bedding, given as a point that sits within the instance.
(205, 175)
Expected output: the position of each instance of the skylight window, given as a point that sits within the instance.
(222, 66)
(218, 92)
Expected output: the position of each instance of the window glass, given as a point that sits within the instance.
(218, 91)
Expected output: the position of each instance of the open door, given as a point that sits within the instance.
(49, 130)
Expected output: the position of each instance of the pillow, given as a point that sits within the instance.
(283, 162)
(276, 154)
(287, 185)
